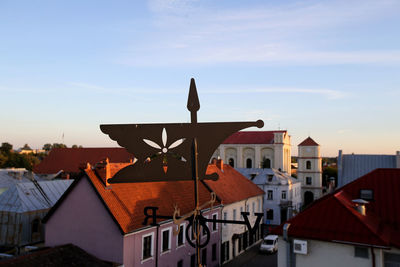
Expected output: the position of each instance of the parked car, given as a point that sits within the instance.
(269, 244)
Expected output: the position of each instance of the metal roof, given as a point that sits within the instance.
(261, 176)
(351, 166)
(30, 196)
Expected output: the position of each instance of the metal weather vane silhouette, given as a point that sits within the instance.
(176, 152)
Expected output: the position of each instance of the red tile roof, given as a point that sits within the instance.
(69, 159)
(308, 142)
(252, 137)
(333, 217)
(126, 201)
(231, 185)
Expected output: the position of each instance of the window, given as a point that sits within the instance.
(241, 210)
(180, 239)
(234, 215)
(249, 163)
(203, 228)
(225, 251)
(258, 205)
(270, 176)
(391, 259)
(367, 194)
(308, 165)
(247, 208)
(225, 216)
(284, 194)
(361, 252)
(308, 180)
(270, 214)
(180, 263)
(269, 195)
(35, 225)
(214, 227)
(204, 256)
(147, 246)
(231, 162)
(253, 205)
(214, 252)
(166, 244)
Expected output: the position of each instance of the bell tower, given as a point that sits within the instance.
(309, 170)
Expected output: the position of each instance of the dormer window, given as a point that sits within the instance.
(270, 176)
(367, 194)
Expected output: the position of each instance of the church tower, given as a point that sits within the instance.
(309, 170)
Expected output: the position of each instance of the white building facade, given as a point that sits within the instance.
(309, 171)
(282, 197)
(255, 149)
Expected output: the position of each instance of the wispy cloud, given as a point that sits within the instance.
(292, 34)
(331, 94)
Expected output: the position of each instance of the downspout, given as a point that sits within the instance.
(158, 228)
(288, 244)
(373, 256)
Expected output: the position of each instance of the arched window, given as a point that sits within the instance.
(266, 163)
(231, 162)
(308, 198)
(308, 165)
(249, 163)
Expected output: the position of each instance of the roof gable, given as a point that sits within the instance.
(308, 142)
(333, 217)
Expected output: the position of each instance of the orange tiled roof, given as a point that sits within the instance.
(69, 159)
(308, 142)
(231, 185)
(126, 201)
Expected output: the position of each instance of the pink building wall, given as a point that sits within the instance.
(83, 221)
(133, 246)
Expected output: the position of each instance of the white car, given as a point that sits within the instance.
(269, 244)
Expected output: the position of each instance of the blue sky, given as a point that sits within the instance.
(329, 69)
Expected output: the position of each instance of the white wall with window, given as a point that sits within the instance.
(282, 193)
(330, 254)
(235, 246)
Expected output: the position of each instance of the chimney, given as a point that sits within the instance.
(103, 170)
(360, 206)
(220, 164)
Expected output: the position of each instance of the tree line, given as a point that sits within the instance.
(10, 158)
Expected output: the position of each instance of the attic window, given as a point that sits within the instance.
(270, 176)
(367, 194)
(253, 175)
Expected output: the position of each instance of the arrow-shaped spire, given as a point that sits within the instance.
(193, 104)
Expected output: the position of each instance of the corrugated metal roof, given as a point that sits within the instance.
(261, 176)
(26, 196)
(351, 167)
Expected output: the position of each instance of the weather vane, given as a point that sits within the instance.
(176, 152)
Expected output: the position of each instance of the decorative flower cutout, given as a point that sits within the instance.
(164, 150)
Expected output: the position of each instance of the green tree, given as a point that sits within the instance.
(6, 148)
(58, 145)
(47, 147)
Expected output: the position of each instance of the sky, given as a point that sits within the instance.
(325, 69)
